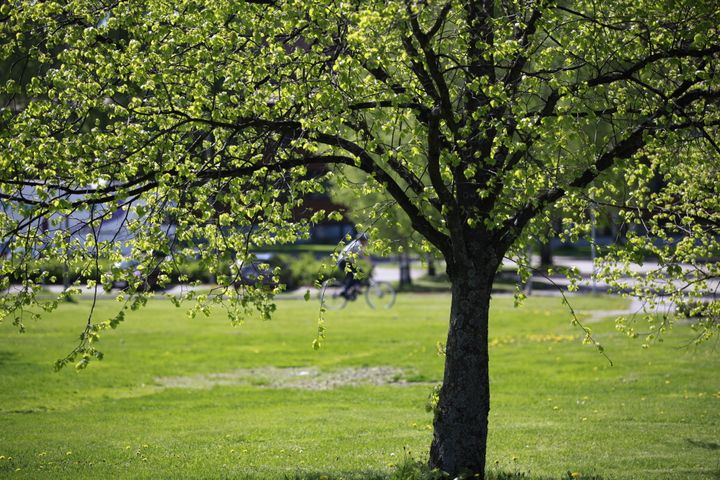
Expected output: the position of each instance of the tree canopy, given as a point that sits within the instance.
(197, 120)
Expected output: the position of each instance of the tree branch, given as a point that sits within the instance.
(623, 149)
(627, 73)
(513, 75)
(433, 63)
(369, 166)
(434, 145)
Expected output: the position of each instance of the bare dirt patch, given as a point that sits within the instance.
(304, 378)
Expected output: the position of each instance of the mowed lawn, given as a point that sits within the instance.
(193, 398)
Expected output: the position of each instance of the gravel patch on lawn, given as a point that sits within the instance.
(304, 378)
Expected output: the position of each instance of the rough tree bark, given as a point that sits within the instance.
(461, 418)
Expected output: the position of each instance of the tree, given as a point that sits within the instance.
(475, 116)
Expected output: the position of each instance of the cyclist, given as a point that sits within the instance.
(348, 263)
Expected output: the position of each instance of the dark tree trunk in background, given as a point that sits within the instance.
(431, 272)
(405, 277)
(461, 418)
(66, 267)
(546, 255)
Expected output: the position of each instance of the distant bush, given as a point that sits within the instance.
(52, 272)
(268, 272)
(306, 270)
(295, 271)
(190, 273)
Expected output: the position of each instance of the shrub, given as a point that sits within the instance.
(295, 270)
(306, 270)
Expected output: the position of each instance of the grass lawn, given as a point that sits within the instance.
(194, 398)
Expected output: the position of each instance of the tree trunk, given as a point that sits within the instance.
(461, 418)
(431, 272)
(546, 255)
(405, 277)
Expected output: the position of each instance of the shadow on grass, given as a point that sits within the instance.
(413, 470)
(424, 287)
(702, 444)
(440, 283)
(7, 357)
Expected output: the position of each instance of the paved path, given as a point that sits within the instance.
(542, 286)
(392, 274)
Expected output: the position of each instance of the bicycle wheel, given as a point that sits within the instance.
(380, 295)
(330, 297)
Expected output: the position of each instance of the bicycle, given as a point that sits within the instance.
(377, 294)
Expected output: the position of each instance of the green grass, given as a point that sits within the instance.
(557, 407)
